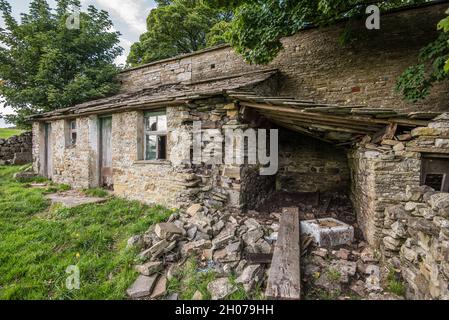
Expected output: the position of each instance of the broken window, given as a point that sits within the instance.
(155, 136)
(71, 133)
(435, 173)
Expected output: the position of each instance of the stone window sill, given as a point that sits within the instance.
(154, 162)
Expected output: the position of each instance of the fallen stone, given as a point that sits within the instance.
(135, 242)
(149, 268)
(221, 288)
(252, 224)
(142, 287)
(251, 275)
(197, 295)
(191, 232)
(160, 288)
(252, 236)
(320, 252)
(440, 201)
(158, 248)
(165, 229)
(195, 246)
(342, 254)
(194, 209)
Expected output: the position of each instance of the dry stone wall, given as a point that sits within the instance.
(406, 220)
(16, 149)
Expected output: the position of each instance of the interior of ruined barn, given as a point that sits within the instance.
(317, 181)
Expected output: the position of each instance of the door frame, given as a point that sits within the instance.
(100, 147)
(48, 152)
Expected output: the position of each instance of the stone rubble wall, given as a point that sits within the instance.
(315, 65)
(16, 149)
(416, 239)
(407, 221)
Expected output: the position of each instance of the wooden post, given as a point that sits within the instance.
(284, 280)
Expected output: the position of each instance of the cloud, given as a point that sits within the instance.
(125, 44)
(132, 12)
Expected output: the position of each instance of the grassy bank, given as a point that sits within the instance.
(5, 133)
(39, 242)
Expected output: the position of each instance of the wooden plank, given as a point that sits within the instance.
(386, 133)
(284, 279)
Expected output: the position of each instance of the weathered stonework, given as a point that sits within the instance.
(315, 65)
(310, 165)
(16, 149)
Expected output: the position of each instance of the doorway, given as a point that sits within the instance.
(48, 164)
(106, 177)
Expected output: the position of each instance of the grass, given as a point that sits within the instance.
(6, 133)
(96, 192)
(395, 284)
(189, 278)
(39, 242)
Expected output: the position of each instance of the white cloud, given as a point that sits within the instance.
(125, 44)
(132, 12)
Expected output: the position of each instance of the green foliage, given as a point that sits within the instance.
(395, 284)
(433, 66)
(46, 66)
(188, 279)
(7, 133)
(258, 25)
(177, 27)
(38, 243)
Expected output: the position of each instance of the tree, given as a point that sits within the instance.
(258, 25)
(433, 66)
(176, 27)
(44, 65)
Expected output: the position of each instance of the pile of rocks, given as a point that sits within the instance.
(220, 238)
(16, 149)
(350, 272)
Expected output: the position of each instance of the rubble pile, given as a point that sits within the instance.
(221, 240)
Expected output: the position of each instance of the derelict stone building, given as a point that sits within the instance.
(342, 128)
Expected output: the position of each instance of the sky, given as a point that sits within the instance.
(128, 16)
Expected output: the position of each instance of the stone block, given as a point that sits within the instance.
(328, 232)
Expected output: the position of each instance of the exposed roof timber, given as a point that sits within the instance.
(329, 122)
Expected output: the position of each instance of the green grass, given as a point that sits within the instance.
(5, 133)
(395, 284)
(187, 280)
(38, 243)
(96, 192)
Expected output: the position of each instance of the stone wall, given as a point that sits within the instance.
(381, 172)
(407, 221)
(172, 182)
(16, 149)
(310, 165)
(315, 65)
(416, 240)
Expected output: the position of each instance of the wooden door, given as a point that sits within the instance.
(106, 179)
(48, 163)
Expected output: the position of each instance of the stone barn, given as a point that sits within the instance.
(344, 133)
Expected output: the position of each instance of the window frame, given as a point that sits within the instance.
(70, 142)
(427, 168)
(157, 133)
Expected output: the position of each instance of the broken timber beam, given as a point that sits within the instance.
(284, 280)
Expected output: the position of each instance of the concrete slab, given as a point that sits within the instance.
(73, 198)
(328, 232)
